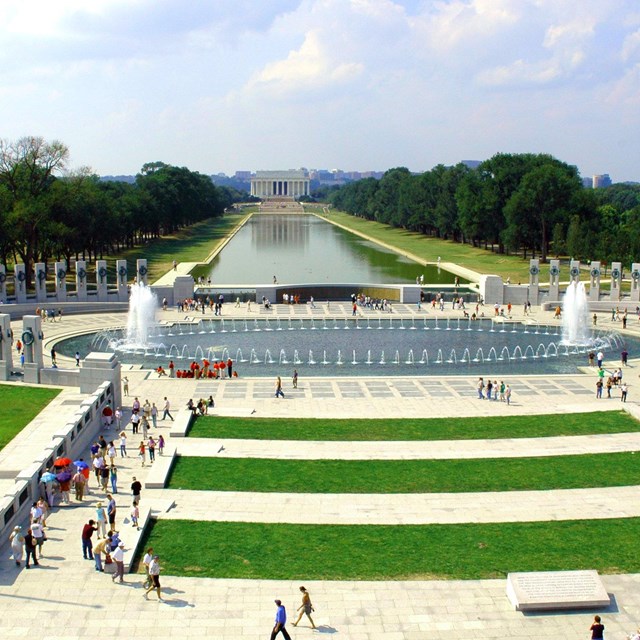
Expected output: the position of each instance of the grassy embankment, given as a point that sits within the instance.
(375, 552)
(405, 476)
(190, 244)
(401, 429)
(19, 406)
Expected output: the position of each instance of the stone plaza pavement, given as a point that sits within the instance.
(66, 598)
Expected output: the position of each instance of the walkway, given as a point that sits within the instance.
(65, 599)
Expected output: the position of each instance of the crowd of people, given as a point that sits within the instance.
(493, 391)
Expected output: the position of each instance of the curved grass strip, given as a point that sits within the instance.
(19, 406)
(405, 476)
(572, 424)
(427, 552)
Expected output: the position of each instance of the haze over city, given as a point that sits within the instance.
(220, 86)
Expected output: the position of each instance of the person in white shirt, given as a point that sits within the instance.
(154, 575)
(118, 557)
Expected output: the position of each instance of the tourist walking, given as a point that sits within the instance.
(161, 444)
(118, 558)
(111, 513)
(154, 415)
(123, 444)
(146, 561)
(101, 521)
(135, 515)
(113, 477)
(279, 391)
(623, 392)
(30, 548)
(125, 386)
(154, 578)
(294, 379)
(280, 622)
(38, 537)
(78, 485)
(480, 387)
(166, 413)
(151, 446)
(507, 394)
(142, 452)
(305, 608)
(17, 544)
(136, 488)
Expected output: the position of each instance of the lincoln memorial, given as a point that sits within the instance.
(280, 184)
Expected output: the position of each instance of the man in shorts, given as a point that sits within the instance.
(154, 576)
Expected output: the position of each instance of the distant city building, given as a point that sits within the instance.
(600, 181)
(472, 164)
(243, 175)
(280, 184)
(587, 183)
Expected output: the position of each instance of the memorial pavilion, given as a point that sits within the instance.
(280, 184)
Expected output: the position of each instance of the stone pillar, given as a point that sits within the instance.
(61, 281)
(534, 280)
(102, 283)
(97, 368)
(635, 282)
(32, 340)
(41, 281)
(20, 282)
(616, 279)
(183, 288)
(574, 271)
(121, 279)
(492, 290)
(594, 286)
(3, 284)
(141, 271)
(6, 348)
(81, 281)
(554, 280)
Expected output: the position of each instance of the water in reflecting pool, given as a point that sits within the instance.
(304, 249)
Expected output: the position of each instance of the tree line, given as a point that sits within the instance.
(49, 213)
(531, 204)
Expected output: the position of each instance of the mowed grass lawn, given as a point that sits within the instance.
(373, 552)
(405, 476)
(190, 244)
(428, 249)
(19, 406)
(572, 424)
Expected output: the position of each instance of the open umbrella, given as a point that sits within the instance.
(62, 462)
(64, 476)
(80, 464)
(47, 476)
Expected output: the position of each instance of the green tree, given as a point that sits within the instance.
(27, 168)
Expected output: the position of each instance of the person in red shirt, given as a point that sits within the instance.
(87, 532)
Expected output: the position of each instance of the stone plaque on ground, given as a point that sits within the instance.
(540, 590)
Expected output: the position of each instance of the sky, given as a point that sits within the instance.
(226, 85)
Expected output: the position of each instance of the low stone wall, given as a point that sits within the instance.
(71, 440)
(159, 472)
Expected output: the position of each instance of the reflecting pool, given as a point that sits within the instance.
(304, 249)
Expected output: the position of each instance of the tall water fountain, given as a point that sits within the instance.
(142, 314)
(575, 316)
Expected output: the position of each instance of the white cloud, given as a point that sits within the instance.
(631, 46)
(312, 65)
